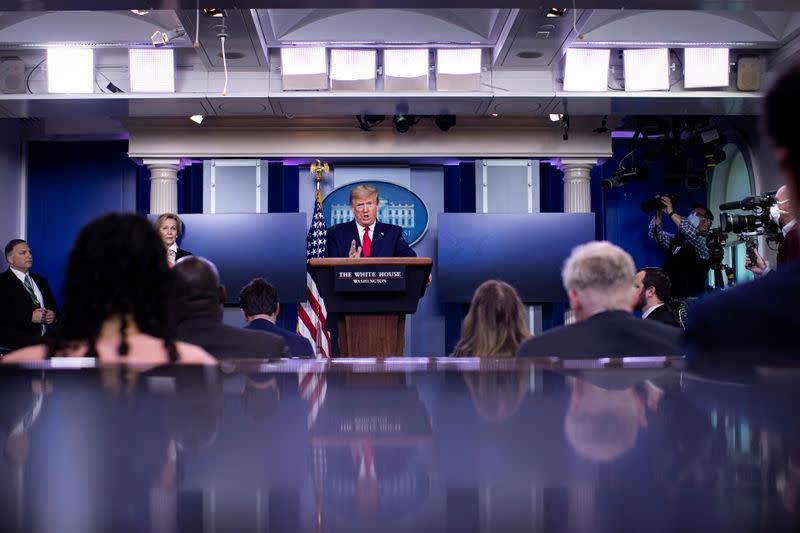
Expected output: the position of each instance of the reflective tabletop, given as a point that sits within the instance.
(400, 445)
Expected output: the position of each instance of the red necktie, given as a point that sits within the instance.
(366, 244)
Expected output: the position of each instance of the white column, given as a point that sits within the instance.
(577, 193)
(577, 196)
(163, 185)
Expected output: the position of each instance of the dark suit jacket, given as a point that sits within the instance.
(754, 321)
(607, 334)
(789, 248)
(298, 346)
(664, 315)
(182, 253)
(16, 308)
(229, 342)
(387, 242)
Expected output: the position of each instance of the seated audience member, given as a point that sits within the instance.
(598, 278)
(27, 307)
(652, 292)
(760, 319)
(495, 323)
(116, 288)
(169, 228)
(199, 312)
(260, 306)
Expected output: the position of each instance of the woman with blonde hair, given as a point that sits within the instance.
(495, 324)
(169, 228)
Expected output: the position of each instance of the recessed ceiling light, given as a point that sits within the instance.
(555, 12)
(213, 12)
(198, 119)
(494, 114)
(140, 11)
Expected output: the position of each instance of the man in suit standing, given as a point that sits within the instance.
(598, 277)
(27, 306)
(759, 320)
(260, 306)
(651, 294)
(365, 236)
(199, 316)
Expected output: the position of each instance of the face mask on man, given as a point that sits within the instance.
(775, 212)
(694, 220)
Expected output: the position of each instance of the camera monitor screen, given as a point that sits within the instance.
(525, 250)
(251, 245)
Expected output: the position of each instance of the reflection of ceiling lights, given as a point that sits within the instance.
(555, 12)
(140, 11)
(213, 12)
(197, 119)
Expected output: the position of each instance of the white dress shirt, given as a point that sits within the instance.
(361, 232)
(647, 313)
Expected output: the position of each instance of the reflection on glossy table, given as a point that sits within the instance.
(400, 445)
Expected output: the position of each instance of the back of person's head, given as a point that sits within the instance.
(116, 268)
(601, 277)
(656, 277)
(258, 298)
(495, 324)
(200, 293)
(782, 114)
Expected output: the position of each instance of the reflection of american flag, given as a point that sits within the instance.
(312, 314)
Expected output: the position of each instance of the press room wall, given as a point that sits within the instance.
(70, 183)
(10, 182)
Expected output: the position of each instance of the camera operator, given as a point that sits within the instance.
(687, 260)
(782, 214)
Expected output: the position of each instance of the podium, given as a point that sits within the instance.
(370, 297)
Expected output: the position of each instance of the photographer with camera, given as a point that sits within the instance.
(758, 321)
(687, 261)
(782, 214)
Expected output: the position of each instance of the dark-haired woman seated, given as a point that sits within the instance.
(116, 299)
(495, 324)
(169, 228)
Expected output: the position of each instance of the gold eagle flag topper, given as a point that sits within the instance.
(317, 170)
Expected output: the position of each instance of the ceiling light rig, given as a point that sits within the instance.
(140, 12)
(367, 122)
(403, 123)
(555, 12)
(162, 38)
(214, 12)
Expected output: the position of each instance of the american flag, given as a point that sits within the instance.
(312, 314)
(311, 319)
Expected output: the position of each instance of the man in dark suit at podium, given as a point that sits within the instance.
(365, 236)
(260, 305)
(27, 306)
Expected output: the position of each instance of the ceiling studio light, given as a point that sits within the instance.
(458, 69)
(152, 70)
(646, 69)
(70, 70)
(555, 12)
(213, 12)
(586, 69)
(161, 38)
(304, 68)
(140, 12)
(405, 69)
(353, 70)
(197, 119)
(705, 67)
